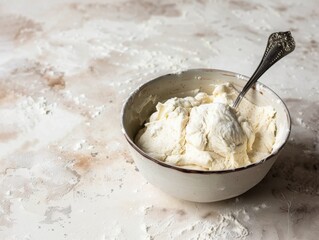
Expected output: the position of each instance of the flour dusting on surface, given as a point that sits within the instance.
(66, 68)
(177, 224)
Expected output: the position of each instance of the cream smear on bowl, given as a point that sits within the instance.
(204, 132)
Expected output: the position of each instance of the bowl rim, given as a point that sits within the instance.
(197, 171)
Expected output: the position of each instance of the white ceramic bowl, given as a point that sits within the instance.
(199, 185)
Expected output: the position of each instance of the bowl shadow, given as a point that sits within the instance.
(295, 171)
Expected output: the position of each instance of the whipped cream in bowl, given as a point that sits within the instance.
(187, 140)
(204, 132)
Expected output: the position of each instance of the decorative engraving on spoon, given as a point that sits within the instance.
(279, 45)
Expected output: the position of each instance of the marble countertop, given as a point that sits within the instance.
(66, 68)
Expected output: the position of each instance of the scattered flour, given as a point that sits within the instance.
(176, 224)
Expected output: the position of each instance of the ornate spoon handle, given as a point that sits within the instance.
(279, 45)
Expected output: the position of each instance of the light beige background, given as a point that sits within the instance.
(66, 68)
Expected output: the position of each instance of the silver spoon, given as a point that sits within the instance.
(279, 45)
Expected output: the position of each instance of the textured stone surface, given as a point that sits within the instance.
(66, 68)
